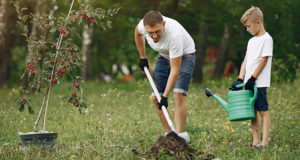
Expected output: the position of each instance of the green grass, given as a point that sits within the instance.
(121, 117)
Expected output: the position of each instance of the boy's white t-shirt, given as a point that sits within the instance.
(175, 40)
(257, 48)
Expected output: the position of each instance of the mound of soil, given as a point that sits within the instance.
(175, 146)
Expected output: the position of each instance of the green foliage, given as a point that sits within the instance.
(116, 45)
(21, 109)
(18, 57)
(121, 117)
(53, 51)
(280, 20)
(285, 69)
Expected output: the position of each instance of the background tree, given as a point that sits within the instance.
(87, 38)
(204, 20)
(222, 53)
(4, 40)
(201, 52)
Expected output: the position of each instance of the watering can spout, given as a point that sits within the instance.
(220, 100)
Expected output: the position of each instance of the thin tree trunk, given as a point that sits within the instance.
(44, 98)
(4, 40)
(172, 7)
(86, 50)
(153, 4)
(54, 66)
(200, 53)
(223, 53)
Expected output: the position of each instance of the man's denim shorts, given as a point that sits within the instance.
(162, 71)
(261, 103)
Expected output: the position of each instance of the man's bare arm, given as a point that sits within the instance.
(140, 43)
(175, 64)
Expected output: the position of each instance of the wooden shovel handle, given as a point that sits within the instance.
(163, 108)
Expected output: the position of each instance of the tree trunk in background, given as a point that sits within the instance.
(34, 32)
(200, 52)
(34, 28)
(153, 3)
(4, 40)
(223, 53)
(172, 7)
(87, 37)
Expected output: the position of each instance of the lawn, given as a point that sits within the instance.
(121, 117)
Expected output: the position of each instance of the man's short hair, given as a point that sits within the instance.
(151, 18)
(253, 13)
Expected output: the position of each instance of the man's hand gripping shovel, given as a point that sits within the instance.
(163, 108)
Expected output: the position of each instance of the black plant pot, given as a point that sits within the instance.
(44, 139)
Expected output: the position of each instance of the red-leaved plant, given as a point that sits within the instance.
(53, 54)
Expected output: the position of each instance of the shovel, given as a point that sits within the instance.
(163, 108)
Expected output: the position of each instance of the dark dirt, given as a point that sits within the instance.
(175, 146)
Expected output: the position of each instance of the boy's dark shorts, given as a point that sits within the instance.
(261, 103)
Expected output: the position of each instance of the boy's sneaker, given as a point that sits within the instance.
(185, 136)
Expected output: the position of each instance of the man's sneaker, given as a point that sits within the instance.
(185, 136)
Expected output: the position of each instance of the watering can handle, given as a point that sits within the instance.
(253, 99)
(240, 85)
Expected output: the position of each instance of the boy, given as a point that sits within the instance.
(174, 66)
(256, 70)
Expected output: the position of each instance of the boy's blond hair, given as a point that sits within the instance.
(253, 13)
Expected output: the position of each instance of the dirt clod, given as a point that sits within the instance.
(175, 146)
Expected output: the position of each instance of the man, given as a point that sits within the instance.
(174, 66)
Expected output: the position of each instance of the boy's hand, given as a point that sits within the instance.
(233, 86)
(163, 102)
(143, 63)
(250, 83)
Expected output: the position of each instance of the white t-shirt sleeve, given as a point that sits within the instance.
(176, 47)
(267, 50)
(141, 27)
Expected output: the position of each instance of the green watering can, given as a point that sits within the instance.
(240, 104)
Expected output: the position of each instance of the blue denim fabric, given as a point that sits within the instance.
(261, 103)
(162, 70)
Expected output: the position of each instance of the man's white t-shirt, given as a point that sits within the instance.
(175, 40)
(257, 48)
